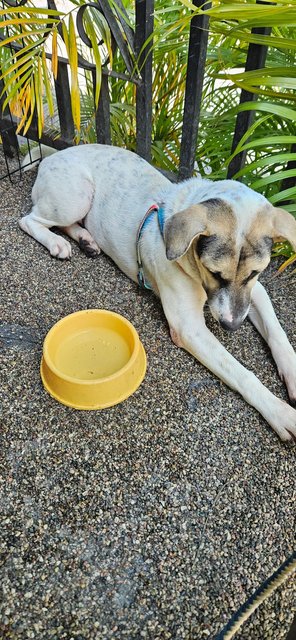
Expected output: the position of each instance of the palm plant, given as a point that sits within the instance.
(34, 34)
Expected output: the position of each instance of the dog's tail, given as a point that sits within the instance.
(35, 155)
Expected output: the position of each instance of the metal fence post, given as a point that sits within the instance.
(63, 96)
(144, 29)
(197, 52)
(103, 112)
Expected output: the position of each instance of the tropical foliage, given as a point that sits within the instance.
(30, 36)
(269, 144)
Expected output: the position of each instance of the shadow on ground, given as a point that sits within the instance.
(153, 519)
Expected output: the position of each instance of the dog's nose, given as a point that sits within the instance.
(229, 326)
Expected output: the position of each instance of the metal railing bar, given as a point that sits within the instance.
(102, 117)
(144, 29)
(128, 31)
(197, 52)
(117, 34)
(84, 64)
(46, 138)
(63, 96)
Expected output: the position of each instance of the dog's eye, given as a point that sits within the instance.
(251, 276)
(222, 281)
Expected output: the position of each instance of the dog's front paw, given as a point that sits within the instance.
(283, 421)
(60, 248)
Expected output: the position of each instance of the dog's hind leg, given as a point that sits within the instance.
(263, 317)
(58, 205)
(84, 239)
(57, 246)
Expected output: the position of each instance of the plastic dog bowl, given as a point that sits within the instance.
(92, 359)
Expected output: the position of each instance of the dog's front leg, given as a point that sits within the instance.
(183, 307)
(263, 317)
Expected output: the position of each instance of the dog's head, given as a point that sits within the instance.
(226, 246)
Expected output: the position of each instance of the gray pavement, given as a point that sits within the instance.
(156, 518)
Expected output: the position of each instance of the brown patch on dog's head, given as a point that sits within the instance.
(208, 218)
(254, 255)
(270, 225)
(283, 226)
(183, 228)
(225, 251)
(276, 223)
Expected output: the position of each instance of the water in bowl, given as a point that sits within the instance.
(92, 354)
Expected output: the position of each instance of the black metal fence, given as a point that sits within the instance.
(130, 41)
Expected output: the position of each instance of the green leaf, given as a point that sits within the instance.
(287, 194)
(97, 57)
(38, 87)
(266, 161)
(70, 42)
(19, 10)
(275, 177)
(48, 89)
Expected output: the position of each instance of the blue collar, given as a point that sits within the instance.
(147, 217)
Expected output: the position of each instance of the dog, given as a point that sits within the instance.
(190, 242)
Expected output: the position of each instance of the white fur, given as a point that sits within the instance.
(110, 189)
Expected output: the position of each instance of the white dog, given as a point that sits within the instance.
(191, 242)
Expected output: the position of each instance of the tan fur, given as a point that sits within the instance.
(208, 244)
(186, 226)
(183, 228)
(284, 226)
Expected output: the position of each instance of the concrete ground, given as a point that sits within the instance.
(156, 518)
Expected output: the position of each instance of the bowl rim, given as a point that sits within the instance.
(82, 381)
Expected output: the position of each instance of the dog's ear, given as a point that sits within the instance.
(284, 226)
(182, 228)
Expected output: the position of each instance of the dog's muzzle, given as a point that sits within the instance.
(230, 326)
(229, 318)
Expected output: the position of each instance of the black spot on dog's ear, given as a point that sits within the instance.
(202, 243)
(259, 249)
(213, 203)
(213, 246)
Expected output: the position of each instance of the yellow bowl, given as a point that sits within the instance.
(92, 359)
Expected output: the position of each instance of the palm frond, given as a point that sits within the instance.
(36, 34)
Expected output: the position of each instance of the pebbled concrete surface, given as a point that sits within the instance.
(156, 518)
